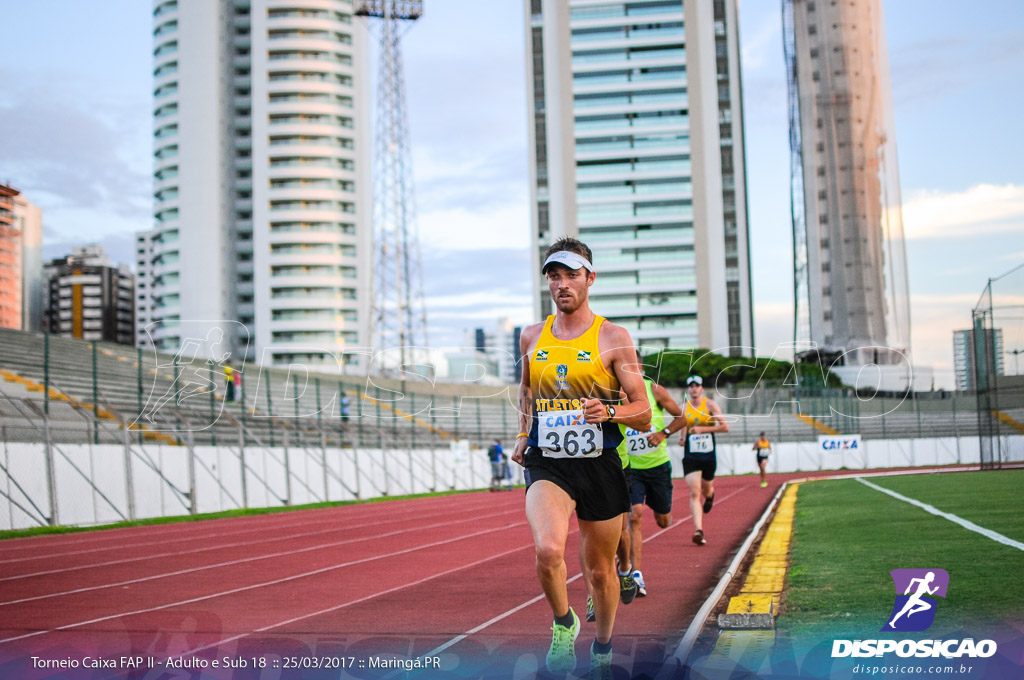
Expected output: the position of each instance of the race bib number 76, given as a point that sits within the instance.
(701, 443)
(567, 434)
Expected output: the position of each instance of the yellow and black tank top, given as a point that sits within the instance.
(699, 445)
(563, 372)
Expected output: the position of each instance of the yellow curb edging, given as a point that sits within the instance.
(762, 589)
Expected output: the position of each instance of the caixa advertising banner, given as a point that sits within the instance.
(840, 443)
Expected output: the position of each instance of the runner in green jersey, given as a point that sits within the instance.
(651, 470)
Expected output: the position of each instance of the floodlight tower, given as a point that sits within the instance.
(399, 314)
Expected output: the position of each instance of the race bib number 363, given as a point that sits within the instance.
(567, 434)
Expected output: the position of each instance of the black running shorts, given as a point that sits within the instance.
(598, 485)
(707, 467)
(762, 456)
(653, 485)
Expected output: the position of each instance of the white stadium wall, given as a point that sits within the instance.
(100, 484)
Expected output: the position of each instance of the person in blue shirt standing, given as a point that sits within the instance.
(497, 457)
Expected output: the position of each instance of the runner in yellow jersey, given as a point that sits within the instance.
(703, 420)
(650, 471)
(763, 447)
(575, 365)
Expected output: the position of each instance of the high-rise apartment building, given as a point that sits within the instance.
(636, 148)
(262, 166)
(21, 261)
(90, 298)
(501, 344)
(10, 261)
(29, 219)
(966, 351)
(144, 306)
(852, 294)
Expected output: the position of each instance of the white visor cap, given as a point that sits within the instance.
(569, 259)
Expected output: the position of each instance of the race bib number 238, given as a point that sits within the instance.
(636, 442)
(567, 434)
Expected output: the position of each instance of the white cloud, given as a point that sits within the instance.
(484, 301)
(459, 228)
(981, 209)
(773, 329)
(934, 318)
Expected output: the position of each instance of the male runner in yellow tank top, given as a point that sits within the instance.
(575, 364)
(763, 448)
(703, 420)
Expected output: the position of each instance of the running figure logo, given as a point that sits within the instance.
(915, 609)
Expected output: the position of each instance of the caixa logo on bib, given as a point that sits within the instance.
(913, 612)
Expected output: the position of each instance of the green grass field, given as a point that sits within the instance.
(847, 537)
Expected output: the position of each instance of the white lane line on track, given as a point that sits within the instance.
(255, 558)
(368, 597)
(163, 542)
(170, 530)
(459, 638)
(186, 536)
(185, 539)
(222, 546)
(264, 584)
(276, 520)
(970, 526)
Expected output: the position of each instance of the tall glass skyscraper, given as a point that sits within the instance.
(637, 149)
(261, 166)
(850, 277)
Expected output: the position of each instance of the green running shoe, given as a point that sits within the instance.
(600, 665)
(590, 609)
(562, 654)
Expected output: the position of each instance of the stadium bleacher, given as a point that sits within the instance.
(159, 399)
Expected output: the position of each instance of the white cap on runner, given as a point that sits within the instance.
(569, 259)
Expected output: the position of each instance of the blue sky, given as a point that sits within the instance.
(75, 137)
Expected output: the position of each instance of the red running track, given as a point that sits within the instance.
(450, 577)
